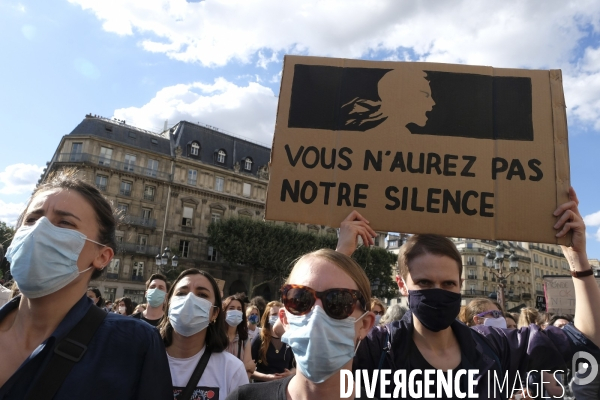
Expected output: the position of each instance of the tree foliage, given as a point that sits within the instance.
(378, 264)
(6, 235)
(263, 247)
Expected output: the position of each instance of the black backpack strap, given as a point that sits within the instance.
(67, 353)
(186, 394)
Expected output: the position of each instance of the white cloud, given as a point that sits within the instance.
(247, 111)
(9, 212)
(19, 178)
(593, 220)
(512, 33)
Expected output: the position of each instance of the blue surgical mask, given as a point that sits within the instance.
(43, 257)
(273, 319)
(377, 319)
(321, 345)
(233, 317)
(189, 314)
(155, 297)
(496, 322)
(253, 319)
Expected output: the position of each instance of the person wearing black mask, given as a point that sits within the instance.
(430, 337)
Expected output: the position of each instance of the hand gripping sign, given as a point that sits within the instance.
(458, 150)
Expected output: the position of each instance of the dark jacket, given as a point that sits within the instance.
(517, 351)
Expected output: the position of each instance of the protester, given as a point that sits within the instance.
(94, 294)
(430, 337)
(393, 313)
(542, 319)
(253, 316)
(124, 306)
(325, 317)
(511, 321)
(260, 303)
(560, 320)
(156, 292)
(528, 316)
(274, 359)
(237, 331)
(194, 331)
(108, 306)
(377, 308)
(482, 312)
(65, 238)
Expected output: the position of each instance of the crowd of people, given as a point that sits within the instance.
(62, 340)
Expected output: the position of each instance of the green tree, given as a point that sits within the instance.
(378, 264)
(6, 235)
(263, 247)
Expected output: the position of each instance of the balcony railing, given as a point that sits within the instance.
(101, 187)
(125, 192)
(92, 159)
(526, 296)
(138, 278)
(148, 197)
(139, 221)
(470, 292)
(138, 249)
(472, 277)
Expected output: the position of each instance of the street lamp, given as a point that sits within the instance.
(162, 261)
(496, 265)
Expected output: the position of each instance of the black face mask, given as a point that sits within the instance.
(435, 308)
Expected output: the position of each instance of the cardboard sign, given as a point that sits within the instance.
(560, 294)
(457, 150)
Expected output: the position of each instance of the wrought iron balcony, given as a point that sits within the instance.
(91, 159)
(139, 221)
(138, 249)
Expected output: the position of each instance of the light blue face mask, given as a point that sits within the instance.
(43, 257)
(233, 317)
(155, 297)
(321, 345)
(189, 314)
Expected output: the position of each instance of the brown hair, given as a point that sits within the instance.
(67, 179)
(158, 276)
(377, 302)
(528, 316)
(216, 338)
(249, 310)
(474, 307)
(511, 316)
(242, 328)
(265, 332)
(418, 245)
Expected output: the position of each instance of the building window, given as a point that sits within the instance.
(101, 182)
(112, 272)
(195, 149)
(76, 149)
(215, 217)
(472, 274)
(537, 272)
(221, 156)
(149, 192)
(247, 189)
(484, 289)
(471, 260)
(123, 208)
(152, 167)
(105, 156)
(129, 163)
(212, 254)
(546, 261)
(126, 188)
(184, 248)
(219, 183)
(188, 215)
(136, 296)
(565, 265)
(142, 243)
(192, 176)
(535, 258)
(248, 164)
(110, 294)
(146, 213)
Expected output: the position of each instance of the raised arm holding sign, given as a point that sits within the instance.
(429, 336)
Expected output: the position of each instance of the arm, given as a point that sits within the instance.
(247, 359)
(587, 292)
(353, 226)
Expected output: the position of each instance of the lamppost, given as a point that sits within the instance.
(496, 266)
(163, 261)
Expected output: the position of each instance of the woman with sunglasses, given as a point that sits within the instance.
(377, 308)
(274, 359)
(195, 339)
(429, 337)
(325, 317)
(482, 312)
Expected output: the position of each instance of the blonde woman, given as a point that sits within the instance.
(377, 308)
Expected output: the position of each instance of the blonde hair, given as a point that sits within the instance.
(377, 302)
(474, 307)
(528, 316)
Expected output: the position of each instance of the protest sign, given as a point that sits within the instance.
(458, 150)
(560, 294)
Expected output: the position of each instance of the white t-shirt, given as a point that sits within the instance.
(252, 334)
(223, 374)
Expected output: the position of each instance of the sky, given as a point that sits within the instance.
(219, 63)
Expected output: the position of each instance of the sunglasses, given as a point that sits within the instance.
(493, 313)
(337, 303)
(378, 312)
